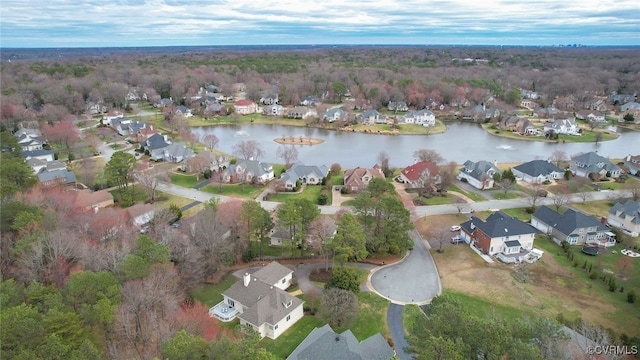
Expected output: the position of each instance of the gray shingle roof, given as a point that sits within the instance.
(569, 221)
(299, 170)
(594, 162)
(324, 343)
(156, 141)
(37, 153)
(500, 224)
(628, 209)
(65, 176)
(536, 168)
(477, 169)
(272, 273)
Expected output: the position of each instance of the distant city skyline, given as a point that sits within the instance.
(125, 23)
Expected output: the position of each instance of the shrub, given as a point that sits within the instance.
(323, 199)
(593, 275)
(631, 297)
(575, 263)
(345, 278)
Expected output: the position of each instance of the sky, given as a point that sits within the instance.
(115, 23)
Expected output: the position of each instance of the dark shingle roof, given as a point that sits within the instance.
(500, 224)
(536, 168)
(477, 169)
(324, 343)
(569, 221)
(628, 209)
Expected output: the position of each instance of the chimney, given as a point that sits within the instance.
(629, 157)
(246, 278)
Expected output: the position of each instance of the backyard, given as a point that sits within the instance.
(555, 286)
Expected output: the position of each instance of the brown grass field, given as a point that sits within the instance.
(553, 288)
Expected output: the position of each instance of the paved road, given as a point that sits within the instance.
(414, 280)
(394, 319)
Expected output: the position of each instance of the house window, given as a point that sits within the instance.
(284, 280)
(288, 317)
(275, 327)
(231, 303)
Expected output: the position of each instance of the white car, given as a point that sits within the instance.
(457, 239)
(455, 228)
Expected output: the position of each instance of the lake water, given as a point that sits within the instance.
(461, 142)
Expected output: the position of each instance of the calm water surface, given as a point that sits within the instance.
(461, 142)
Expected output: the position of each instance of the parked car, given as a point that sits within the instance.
(455, 228)
(175, 225)
(457, 240)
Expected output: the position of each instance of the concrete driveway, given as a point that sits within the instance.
(414, 280)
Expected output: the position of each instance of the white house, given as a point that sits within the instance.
(479, 174)
(423, 117)
(260, 302)
(538, 171)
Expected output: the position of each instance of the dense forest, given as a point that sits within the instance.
(58, 88)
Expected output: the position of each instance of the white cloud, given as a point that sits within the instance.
(250, 21)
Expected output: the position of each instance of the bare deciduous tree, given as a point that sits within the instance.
(558, 156)
(535, 194)
(339, 307)
(441, 235)
(149, 180)
(287, 153)
(321, 231)
(559, 200)
(248, 149)
(428, 155)
(507, 185)
(210, 141)
(383, 161)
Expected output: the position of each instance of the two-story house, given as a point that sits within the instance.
(499, 234)
(572, 226)
(633, 164)
(422, 117)
(588, 163)
(244, 107)
(478, 174)
(420, 174)
(358, 179)
(626, 216)
(260, 302)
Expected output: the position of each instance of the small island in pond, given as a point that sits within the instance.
(292, 140)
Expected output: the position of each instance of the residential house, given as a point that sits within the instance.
(46, 155)
(260, 302)
(334, 114)
(480, 113)
(371, 117)
(310, 101)
(143, 134)
(248, 171)
(630, 106)
(301, 112)
(528, 94)
(547, 112)
(562, 126)
(95, 107)
(622, 98)
(529, 104)
(323, 343)
(538, 171)
(56, 178)
(244, 107)
(270, 99)
(32, 132)
(182, 111)
(306, 174)
(633, 164)
(591, 162)
(30, 142)
(565, 103)
(92, 200)
(112, 115)
(572, 226)
(396, 106)
(596, 116)
(479, 174)
(499, 234)
(423, 117)
(140, 214)
(214, 108)
(279, 236)
(273, 110)
(518, 124)
(358, 179)
(163, 103)
(155, 142)
(126, 127)
(175, 153)
(213, 162)
(626, 216)
(420, 174)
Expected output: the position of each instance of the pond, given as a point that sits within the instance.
(461, 142)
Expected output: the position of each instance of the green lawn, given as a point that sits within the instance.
(183, 180)
(595, 208)
(167, 199)
(520, 213)
(409, 314)
(483, 308)
(439, 200)
(310, 192)
(211, 294)
(471, 195)
(502, 196)
(338, 179)
(372, 317)
(284, 345)
(247, 191)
